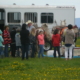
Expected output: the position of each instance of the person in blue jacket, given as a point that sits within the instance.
(1, 43)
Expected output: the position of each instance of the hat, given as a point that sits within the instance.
(40, 30)
(29, 21)
(0, 32)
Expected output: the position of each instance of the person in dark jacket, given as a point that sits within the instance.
(33, 41)
(24, 36)
(56, 42)
(13, 45)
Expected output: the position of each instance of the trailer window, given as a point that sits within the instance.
(46, 17)
(30, 16)
(14, 17)
(1, 15)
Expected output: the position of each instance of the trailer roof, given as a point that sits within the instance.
(34, 6)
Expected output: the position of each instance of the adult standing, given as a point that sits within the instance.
(1, 45)
(13, 45)
(29, 28)
(29, 25)
(18, 41)
(69, 40)
(24, 36)
(33, 42)
(7, 40)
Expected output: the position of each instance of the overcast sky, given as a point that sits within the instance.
(75, 3)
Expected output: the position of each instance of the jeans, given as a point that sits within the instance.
(57, 48)
(13, 49)
(18, 52)
(41, 51)
(33, 50)
(29, 49)
(73, 49)
(25, 49)
(6, 50)
(70, 52)
(1, 50)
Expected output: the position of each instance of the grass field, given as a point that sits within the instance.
(39, 69)
(78, 42)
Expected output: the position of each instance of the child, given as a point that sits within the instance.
(56, 42)
(1, 45)
(18, 42)
(41, 43)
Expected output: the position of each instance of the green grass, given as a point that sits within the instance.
(78, 42)
(39, 69)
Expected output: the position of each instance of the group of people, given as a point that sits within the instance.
(26, 39)
(69, 39)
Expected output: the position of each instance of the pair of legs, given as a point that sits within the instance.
(1, 50)
(68, 49)
(6, 54)
(33, 50)
(57, 48)
(18, 52)
(25, 49)
(41, 50)
(13, 49)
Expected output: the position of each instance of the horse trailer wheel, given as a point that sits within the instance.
(47, 46)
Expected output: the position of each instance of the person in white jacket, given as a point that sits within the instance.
(18, 41)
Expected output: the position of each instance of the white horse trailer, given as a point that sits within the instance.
(14, 15)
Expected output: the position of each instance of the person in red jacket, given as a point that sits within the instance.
(56, 42)
(7, 40)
